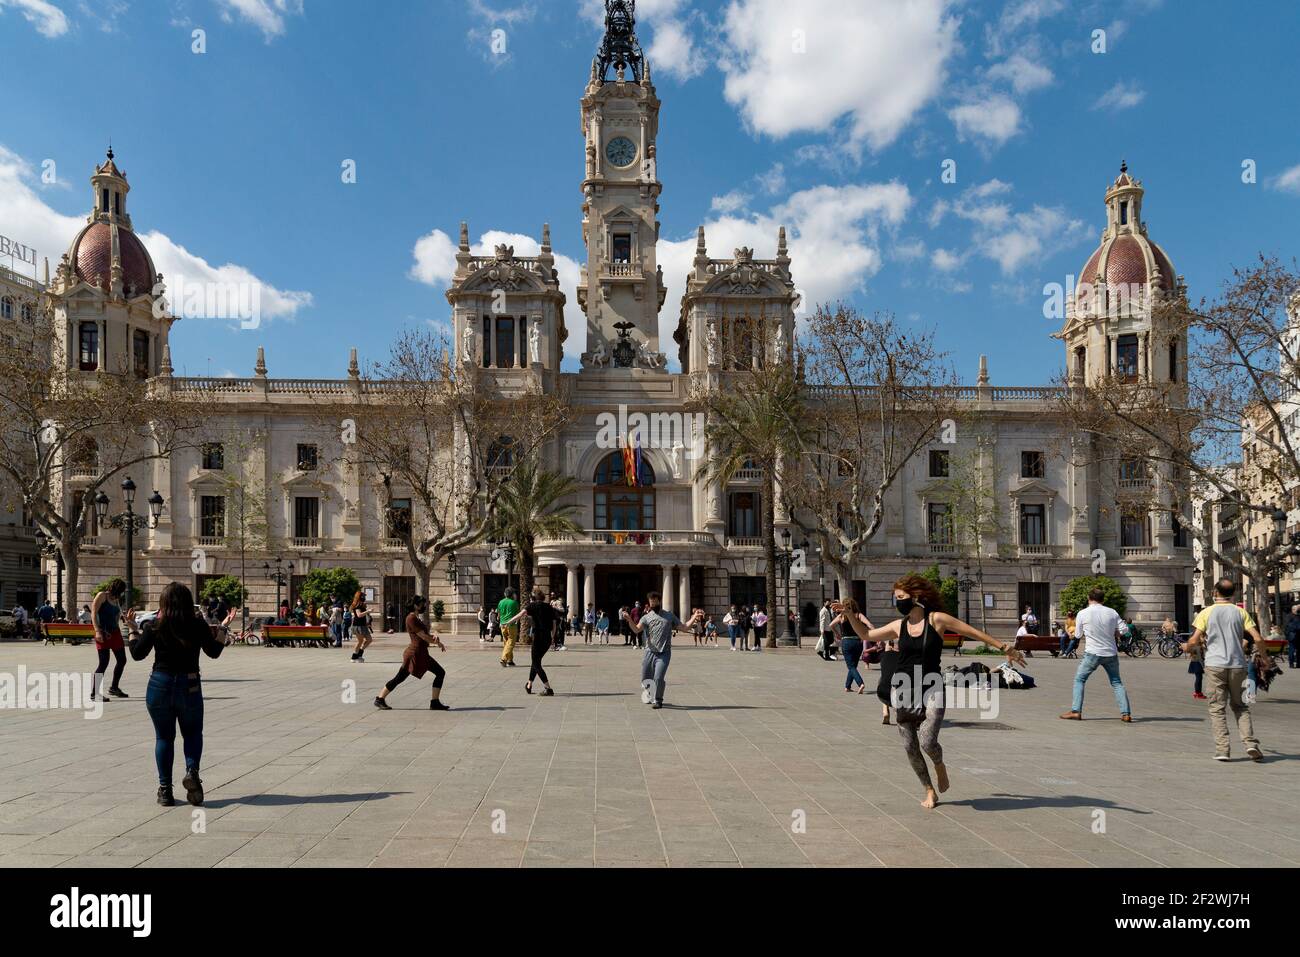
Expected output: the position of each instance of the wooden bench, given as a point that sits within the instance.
(71, 632)
(294, 635)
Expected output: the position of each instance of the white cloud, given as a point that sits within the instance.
(1023, 74)
(49, 20)
(1009, 238)
(945, 260)
(731, 202)
(495, 46)
(994, 119)
(1288, 180)
(435, 263)
(29, 219)
(833, 233)
(773, 181)
(1121, 96)
(875, 65)
(267, 15)
(909, 250)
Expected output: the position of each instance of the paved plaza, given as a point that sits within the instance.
(756, 760)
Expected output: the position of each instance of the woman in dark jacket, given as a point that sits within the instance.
(175, 695)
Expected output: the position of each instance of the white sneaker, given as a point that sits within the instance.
(1222, 757)
(647, 691)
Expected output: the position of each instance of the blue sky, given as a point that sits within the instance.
(834, 118)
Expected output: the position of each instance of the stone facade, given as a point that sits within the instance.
(691, 540)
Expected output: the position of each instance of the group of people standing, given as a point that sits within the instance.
(746, 622)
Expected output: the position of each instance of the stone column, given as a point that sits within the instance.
(588, 585)
(1114, 355)
(571, 586)
(683, 591)
(1142, 357)
(666, 592)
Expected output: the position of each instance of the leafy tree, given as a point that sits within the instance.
(1075, 595)
(438, 609)
(321, 583)
(227, 587)
(947, 588)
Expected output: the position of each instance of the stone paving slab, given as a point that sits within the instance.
(756, 761)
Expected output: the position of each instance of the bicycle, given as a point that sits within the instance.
(1134, 647)
(1170, 646)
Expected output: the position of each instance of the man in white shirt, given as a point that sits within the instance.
(1098, 626)
(824, 619)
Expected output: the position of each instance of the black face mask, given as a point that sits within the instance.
(904, 605)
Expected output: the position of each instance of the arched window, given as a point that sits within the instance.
(29, 312)
(618, 505)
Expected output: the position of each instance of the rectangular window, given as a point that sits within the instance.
(1031, 465)
(397, 520)
(622, 248)
(140, 353)
(487, 342)
(1134, 530)
(938, 464)
(307, 458)
(938, 526)
(214, 456)
(212, 516)
(748, 590)
(742, 514)
(1173, 361)
(1033, 525)
(1123, 212)
(306, 518)
(1126, 357)
(89, 335)
(1132, 473)
(1182, 538)
(505, 342)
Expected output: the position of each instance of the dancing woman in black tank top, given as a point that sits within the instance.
(918, 686)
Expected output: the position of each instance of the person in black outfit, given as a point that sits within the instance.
(545, 618)
(918, 694)
(175, 695)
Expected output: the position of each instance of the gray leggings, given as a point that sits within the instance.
(921, 736)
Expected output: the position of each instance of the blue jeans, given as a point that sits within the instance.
(171, 700)
(1293, 652)
(1086, 667)
(654, 667)
(731, 634)
(851, 649)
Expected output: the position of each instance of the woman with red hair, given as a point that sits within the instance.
(917, 686)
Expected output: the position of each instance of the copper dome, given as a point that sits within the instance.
(92, 258)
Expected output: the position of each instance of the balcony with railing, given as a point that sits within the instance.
(1042, 551)
(1138, 551)
(212, 541)
(941, 548)
(648, 538)
(307, 543)
(748, 475)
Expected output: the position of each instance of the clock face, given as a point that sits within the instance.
(620, 151)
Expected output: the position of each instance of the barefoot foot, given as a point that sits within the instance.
(931, 799)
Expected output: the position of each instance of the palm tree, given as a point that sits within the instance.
(750, 425)
(530, 506)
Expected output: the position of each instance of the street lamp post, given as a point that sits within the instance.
(1279, 526)
(129, 522)
(785, 561)
(281, 573)
(965, 583)
(50, 549)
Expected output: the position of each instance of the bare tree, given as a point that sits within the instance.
(448, 435)
(876, 395)
(68, 434)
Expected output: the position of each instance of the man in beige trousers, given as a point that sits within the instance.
(1221, 628)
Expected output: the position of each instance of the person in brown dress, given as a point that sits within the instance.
(417, 660)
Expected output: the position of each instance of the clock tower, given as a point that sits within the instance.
(621, 288)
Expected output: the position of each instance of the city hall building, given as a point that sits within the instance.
(697, 543)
